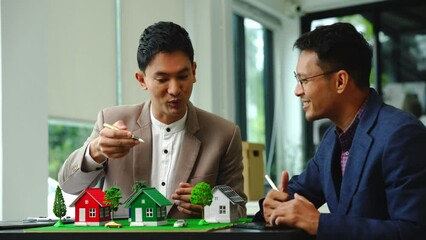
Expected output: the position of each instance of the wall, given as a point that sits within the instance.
(81, 57)
(24, 109)
(1, 124)
(321, 5)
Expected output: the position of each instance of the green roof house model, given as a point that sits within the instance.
(147, 207)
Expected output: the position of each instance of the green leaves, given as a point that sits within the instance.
(59, 208)
(139, 185)
(202, 194)
(112, 199)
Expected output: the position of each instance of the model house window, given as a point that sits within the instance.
(222, 209)
(86, 201)
(149, 212)
(92, 212)
(143, 201)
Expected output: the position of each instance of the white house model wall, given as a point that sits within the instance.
(224, 206)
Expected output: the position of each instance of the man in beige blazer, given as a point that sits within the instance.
(183, 145)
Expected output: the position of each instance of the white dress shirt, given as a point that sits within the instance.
(166, 142)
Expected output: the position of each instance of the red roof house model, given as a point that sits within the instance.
(90, 209)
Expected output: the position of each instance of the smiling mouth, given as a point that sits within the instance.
(305, 104)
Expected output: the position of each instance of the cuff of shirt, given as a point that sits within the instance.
(89, 164)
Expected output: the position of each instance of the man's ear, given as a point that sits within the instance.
(140, 77)
(342, 81)
(194, 68)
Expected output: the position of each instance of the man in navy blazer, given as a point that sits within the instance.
(370, 167)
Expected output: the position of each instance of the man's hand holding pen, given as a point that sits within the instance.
(279, 209)
(114, 141)
(275, 197)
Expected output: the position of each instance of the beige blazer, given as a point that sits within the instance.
(211, 152)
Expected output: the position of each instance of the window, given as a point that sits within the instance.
(149, 212)
(64, 138)
(254, 82)
(222, 209)
(106, 212)
(92, 212)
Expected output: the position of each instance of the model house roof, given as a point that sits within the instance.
(229, 193)
(153, 193)
(95, 193)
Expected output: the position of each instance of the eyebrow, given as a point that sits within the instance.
(160, 73)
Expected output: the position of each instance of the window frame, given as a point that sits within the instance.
(272, 26)
(240, 81)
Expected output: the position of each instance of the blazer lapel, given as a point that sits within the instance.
(329, 184)
(354, 169)
(142, 154)
(358, 154)
(189, 149)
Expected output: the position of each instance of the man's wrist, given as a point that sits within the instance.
(94, 153)
(90, 164)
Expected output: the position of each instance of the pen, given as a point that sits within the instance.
(270, 182)
(115, 128)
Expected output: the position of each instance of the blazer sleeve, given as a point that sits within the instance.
(403, 168)
(72, 179)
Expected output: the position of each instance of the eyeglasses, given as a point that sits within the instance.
(302, 81)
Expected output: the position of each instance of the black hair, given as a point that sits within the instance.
(340, 46)
(163, 37)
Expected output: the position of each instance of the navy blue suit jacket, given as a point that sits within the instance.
(383, 192)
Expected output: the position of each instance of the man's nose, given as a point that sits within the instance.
(298, 90)
(174, 87)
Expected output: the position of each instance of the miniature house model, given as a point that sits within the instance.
(90, 209)
(147, 207)
(224, 206)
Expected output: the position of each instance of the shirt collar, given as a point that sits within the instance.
(174, 127)
(346, 137)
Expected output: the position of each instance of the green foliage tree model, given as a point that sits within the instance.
(59, 208)
(112, 199)
(202, 195)
(139, 185)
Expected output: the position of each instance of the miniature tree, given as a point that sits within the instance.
(139, 185)
(59, 208)
(112, 199)
(202, 195)
(136, 186)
